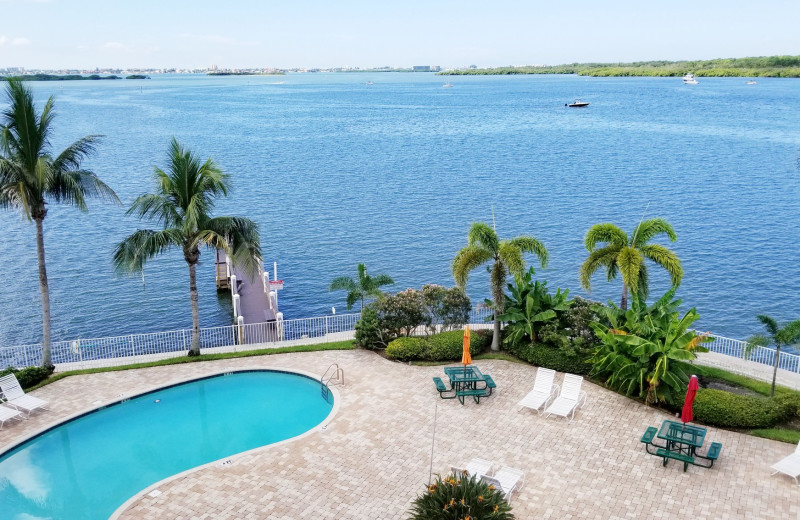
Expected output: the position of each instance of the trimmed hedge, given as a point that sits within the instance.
(573, 362)
(28, 377)
(445, 346)
(720, 408)
(406, 349)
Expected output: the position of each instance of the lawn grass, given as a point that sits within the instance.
(339, 345)
(778, 434)
(760, 387)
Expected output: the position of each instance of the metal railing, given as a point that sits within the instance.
(140, 348)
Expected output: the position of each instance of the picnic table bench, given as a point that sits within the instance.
(681, 443)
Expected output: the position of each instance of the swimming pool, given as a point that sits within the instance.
(89, 466)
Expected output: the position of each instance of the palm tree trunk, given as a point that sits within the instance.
(47, 360)
(624, 304)
(195, 348)
(775, 369)
(498, 278)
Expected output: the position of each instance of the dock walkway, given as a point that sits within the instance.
(255, 305)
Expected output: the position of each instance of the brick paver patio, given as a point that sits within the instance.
(373, 458)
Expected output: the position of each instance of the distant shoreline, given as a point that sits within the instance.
(759, 67)
(58, 77)
(245, 73)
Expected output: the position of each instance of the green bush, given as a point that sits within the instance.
(28, 377)
(458, 497)
(406, 349)
(720, 408)
(571, 361)
(445, 346)
(368, 332)
(449, 346)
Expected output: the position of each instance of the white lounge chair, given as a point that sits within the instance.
(475, 468)
(789, 465)
(507, 480)
(7, 413)
(544, 389)
(569, 399)
(16, 397)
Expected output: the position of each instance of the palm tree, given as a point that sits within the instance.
(484, 246)
(366, 286)
(626, 255)
(31, 178)
(182, 204)
(778, 336)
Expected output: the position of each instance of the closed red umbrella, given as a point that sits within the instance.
(686, 413)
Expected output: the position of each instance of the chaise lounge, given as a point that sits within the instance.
(16, 397)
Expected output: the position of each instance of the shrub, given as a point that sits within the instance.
(368, 331)
(401, 313)
(457, 497)
(406, 349)
(447, 308)
(448, 346)
(574, 362)
(28, 377)
(445, 346)
(720, 408)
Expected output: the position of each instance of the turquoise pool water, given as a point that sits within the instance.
(88, 467)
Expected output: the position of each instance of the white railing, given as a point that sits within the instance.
(759, 356)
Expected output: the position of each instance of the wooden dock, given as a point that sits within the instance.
(254, 303)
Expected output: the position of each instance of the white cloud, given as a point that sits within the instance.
(3, 40)
(19, 42)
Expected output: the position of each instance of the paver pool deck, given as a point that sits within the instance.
(374, 457)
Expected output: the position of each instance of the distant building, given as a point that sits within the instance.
(421, 68)
(473, 66)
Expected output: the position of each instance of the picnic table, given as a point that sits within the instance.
(681, 443)
(468, 381)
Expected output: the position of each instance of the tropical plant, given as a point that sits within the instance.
(363, 287)
(778, 337)
(529, 306)
(460, 497)
(625, 255)
(646, 359)
(31, 177)
(182, 204)
(507, 256)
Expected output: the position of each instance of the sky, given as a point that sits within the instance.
(55, 34)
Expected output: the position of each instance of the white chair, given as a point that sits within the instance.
(7, 413)
(544, 389)
(569, 399)
(475, 468)
(16, 397)
(789, 465)
(507, 480)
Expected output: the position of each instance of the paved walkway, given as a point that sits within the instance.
(373, 459)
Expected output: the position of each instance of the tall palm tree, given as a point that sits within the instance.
(364, 287)
(483, 246)
(182, 204)
(31, 177)
(778, 336)
(625, 255)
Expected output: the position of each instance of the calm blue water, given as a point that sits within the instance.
(337, 172)
(87, 468)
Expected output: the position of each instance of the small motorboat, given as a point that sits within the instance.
(577, 104)
(447, 85)
(751, 82)
(369, 83)
(688, 79)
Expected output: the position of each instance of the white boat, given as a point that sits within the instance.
(688, 79)
(369, 83)
(577, 104)
(447, 85)
(751, 82)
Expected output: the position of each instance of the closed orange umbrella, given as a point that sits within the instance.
(466, 358)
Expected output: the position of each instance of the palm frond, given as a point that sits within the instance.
(131, 254)
(603, 257)
(73, 187)
(769, 323)
(482, 234)
(605, 232)
(382, 279)
(651, 228)
(529, 244)
(630, 261)
(468, 259)
(665, 258)
(511, 256)
(343, 283)
(239, 236)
